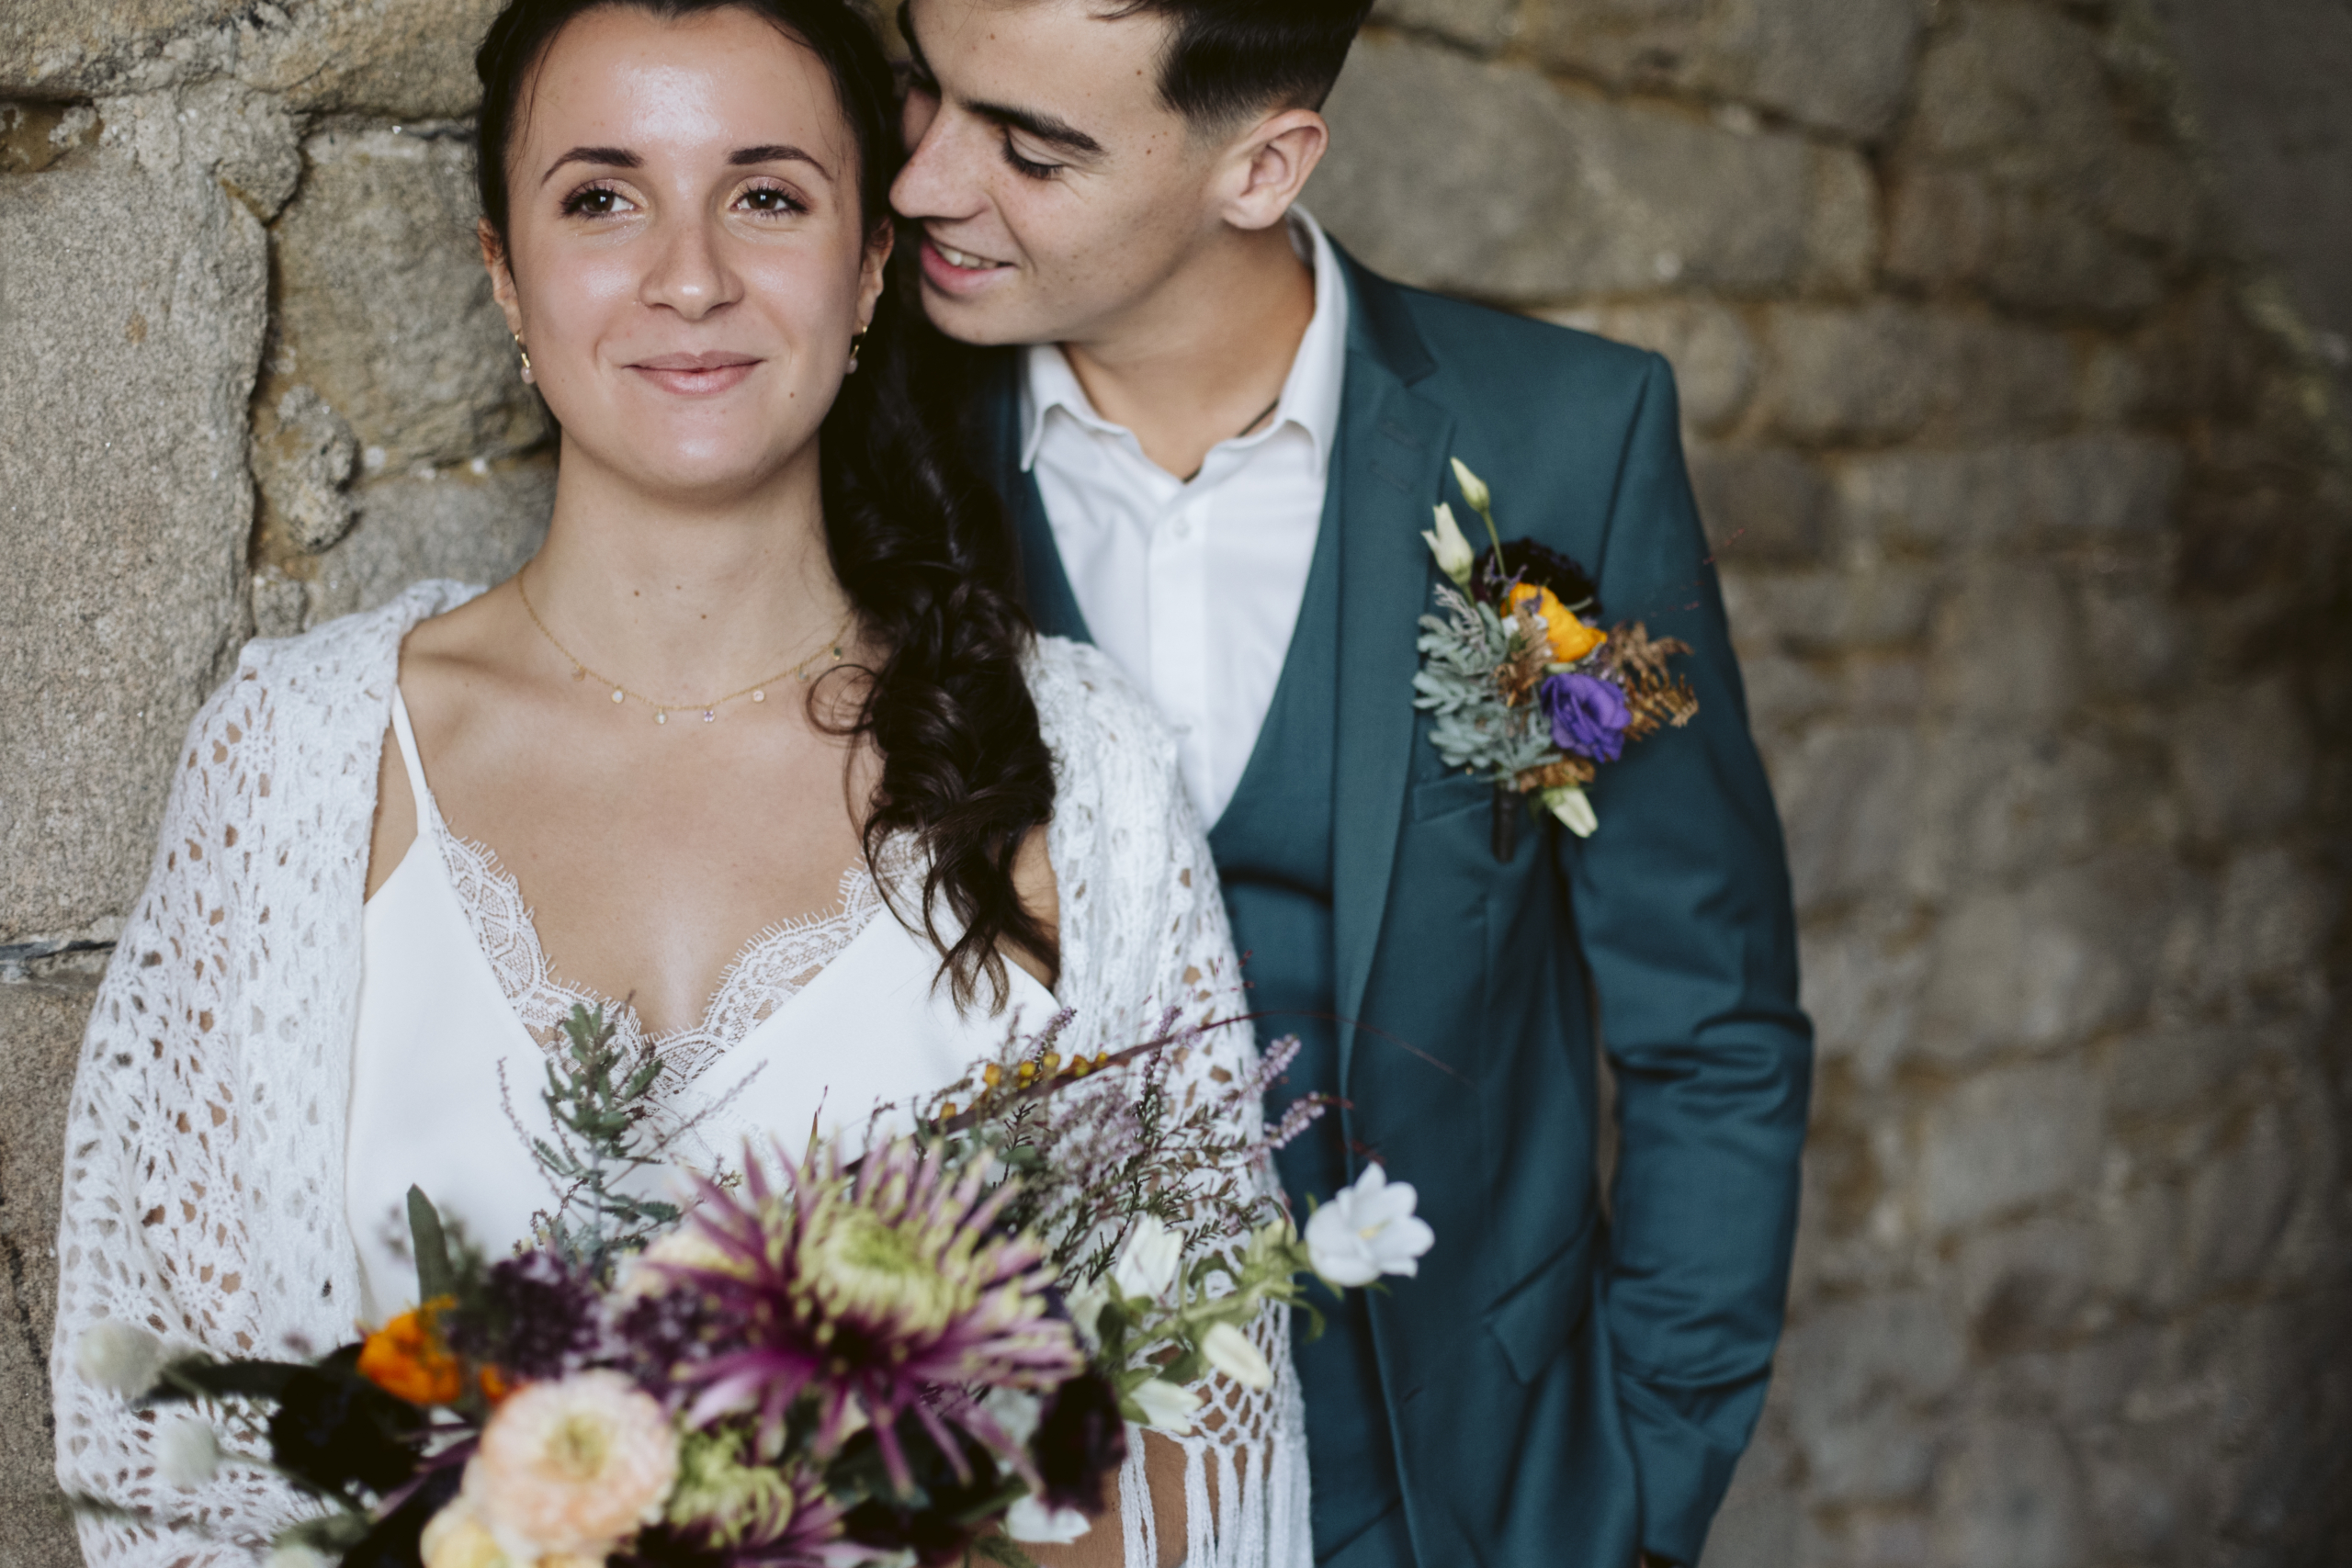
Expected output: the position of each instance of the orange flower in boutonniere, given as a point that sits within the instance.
(1571, 639)
(406, 1358)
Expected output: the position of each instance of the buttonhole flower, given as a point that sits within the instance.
(1368, 1230)
(1229, 1349)
(1569, 637)
(1588, 715)
(1473, 488)
(1574, 808)
(120, 1356)
(1454, 556)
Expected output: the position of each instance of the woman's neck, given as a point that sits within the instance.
(683, 601)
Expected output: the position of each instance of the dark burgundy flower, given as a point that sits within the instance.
(1524, 560)
(1080, 1441)
(334, 1428)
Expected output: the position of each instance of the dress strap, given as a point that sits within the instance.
(406, 735)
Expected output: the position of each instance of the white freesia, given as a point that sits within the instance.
(188, 1454)
(1147, 1265)
(1040, 1524)
(1368, 1230)
(1473, 488)
(120, 1357)
(1229, 1349)
(1574, 808)
(1454, 556)
(1086, 1306)
(1167, 1407)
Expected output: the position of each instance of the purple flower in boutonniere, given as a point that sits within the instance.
(1588, 715)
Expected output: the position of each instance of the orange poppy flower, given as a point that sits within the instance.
(1571, 639)
(406, 1358)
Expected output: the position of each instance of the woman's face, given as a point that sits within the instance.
(686, 260)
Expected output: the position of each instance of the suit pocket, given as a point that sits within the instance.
(1533, 1320)
(1451, 793)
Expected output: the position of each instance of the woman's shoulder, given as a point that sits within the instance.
(1087, 709)
(353, 647)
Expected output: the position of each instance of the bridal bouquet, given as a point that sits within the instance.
(1525, 686)
(921, 1354)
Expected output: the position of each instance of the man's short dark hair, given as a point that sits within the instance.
(1232, 58)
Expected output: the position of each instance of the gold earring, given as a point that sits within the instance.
(529, 379)
(856, 340)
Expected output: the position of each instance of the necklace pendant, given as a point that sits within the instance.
(617, 693)
(660, 717)
(758, 695)
(708, 716)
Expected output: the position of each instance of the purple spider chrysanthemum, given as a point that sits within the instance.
(873, 1291)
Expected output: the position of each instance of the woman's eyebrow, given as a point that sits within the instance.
(776, 152)
(607, 157)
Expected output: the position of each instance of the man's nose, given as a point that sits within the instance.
(937, 180)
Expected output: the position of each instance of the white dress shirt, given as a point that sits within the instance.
(1192, 587)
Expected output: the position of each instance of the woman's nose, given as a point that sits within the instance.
(689, 273)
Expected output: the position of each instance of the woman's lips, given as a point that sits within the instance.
(694, 375)
(958, 271)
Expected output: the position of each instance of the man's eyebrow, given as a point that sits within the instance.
(1046, 128)
(612, 157)
(776, 152)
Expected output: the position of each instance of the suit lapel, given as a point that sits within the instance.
(1045, 586)
(1389, 469)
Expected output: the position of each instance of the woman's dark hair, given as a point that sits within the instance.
(918, 539)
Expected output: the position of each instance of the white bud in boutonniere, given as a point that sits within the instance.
(1368, 1230)
(1473, 488)
(1574, 809)
(1147, 1265)
(1453, 551)
(1229, 1349)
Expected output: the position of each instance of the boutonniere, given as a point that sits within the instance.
(1526, 687)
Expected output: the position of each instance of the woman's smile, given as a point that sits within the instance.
(705, 374)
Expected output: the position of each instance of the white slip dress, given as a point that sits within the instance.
(816, 1023)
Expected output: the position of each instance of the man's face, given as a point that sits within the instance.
(1056, 191)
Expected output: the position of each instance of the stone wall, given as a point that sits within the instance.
(2009, 417)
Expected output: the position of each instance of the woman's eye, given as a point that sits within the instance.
(772, 199)
(593, 201)
(1026, 166)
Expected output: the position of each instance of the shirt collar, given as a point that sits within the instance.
(1310, 397)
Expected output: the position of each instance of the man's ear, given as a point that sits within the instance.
(1268, 167)
(501, 277)
(876, 269)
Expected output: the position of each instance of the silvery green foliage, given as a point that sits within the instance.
(1475, 728)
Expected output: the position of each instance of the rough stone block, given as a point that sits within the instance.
(2011, 1497)
(40, 1036)
(1577, 194)
(1759, 1524)
(2243, 759)
(1874, 605)
(2239, 1202)
(2106, 483)
(393, 57)
(2024, 1285)
(2012, 82)
(1711, 349)
(1482, 25)
(1862, 987)
(384, 311)
(477, 528)
(1842, 225)
(2008, 1139)
(2005, 650)
(1995, 805)
(131, 296)
(1883, 371)
(1759, 503)
(1840, 66)
(1855, 1377)
(1846, 798)
(2053, 962)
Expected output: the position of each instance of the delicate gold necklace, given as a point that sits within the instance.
(757, 691)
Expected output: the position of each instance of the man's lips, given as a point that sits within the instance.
(954, 270)
(712, 370)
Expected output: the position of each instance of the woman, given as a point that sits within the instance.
(765, 677)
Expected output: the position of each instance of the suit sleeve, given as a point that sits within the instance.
(1686, 923)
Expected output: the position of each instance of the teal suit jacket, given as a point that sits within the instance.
(1567, 1379)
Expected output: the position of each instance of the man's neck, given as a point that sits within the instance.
(1207, 354)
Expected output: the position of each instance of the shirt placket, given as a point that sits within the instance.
(1177, 586)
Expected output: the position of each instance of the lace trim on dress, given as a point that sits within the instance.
(770, 970)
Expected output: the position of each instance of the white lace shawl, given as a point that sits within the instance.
(204, 1158)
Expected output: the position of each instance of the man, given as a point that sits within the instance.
(1221, 440)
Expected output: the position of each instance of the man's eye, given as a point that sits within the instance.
(1028, 167)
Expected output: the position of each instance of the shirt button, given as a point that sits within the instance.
(1183, 529)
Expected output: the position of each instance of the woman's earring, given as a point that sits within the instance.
(529, 379)
(856, 340)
